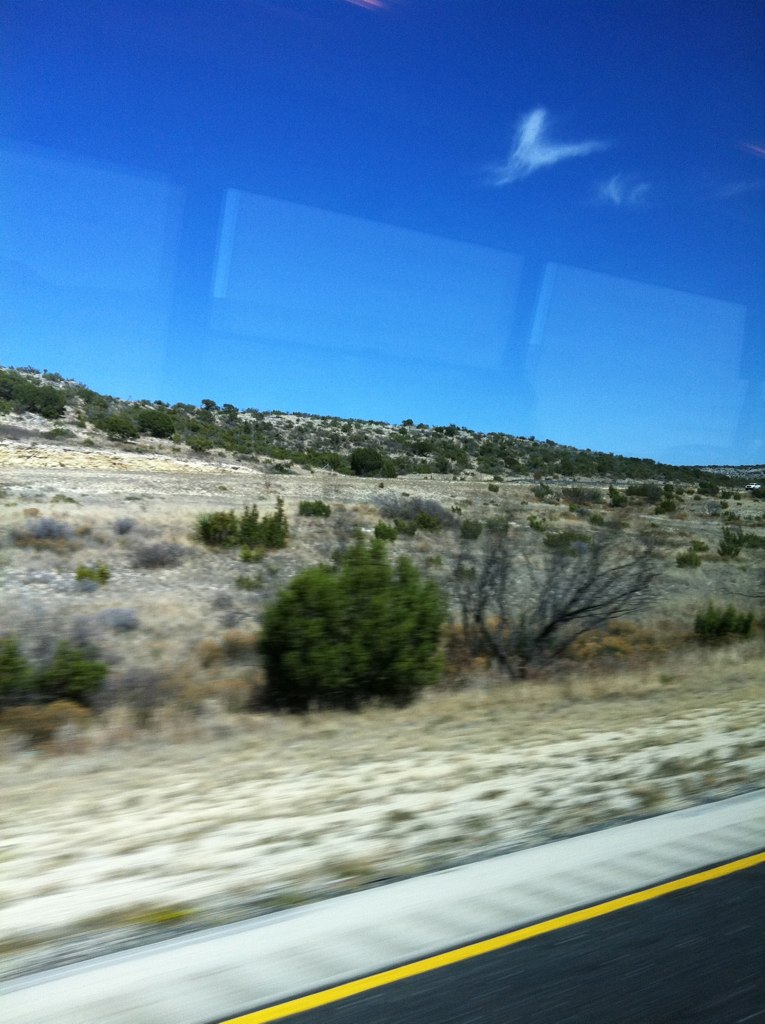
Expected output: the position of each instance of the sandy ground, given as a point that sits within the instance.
(205, 822)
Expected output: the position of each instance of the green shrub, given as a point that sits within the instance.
(471, 529)
(688, 559)
(667, 504)
(537, 523)
(699, 545)
(314, 508)
(218, 529)
(248, 582)
(15, 671)
(565, 541)
(716, 625)
(96, 573)
(494, 488)
(118, 427)
(651, 493)
(367, 462)
(406, 527)
(155, 422)
(24, 395)
(274, 531)
(71, 674)
(357, 631)
(731, 543)
(617, 498)
(582, 495)
(385, 531)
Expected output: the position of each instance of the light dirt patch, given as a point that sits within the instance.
(100, 846)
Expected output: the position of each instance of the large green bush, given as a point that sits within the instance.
(71, 673)
(226, 529)
(357, 631)
(716, 625)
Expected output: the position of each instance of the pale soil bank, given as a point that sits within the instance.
(240, 816)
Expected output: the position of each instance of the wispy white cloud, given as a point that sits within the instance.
(623, 190)
(741, 188)
(532, 149)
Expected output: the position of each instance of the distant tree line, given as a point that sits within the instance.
(355, 447)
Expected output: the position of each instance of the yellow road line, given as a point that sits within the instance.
(454, 956)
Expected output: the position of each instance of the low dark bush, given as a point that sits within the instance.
(581, 496)
(46, 529)
(471, 529)
(651, 493)
(121, 620)
(689, 559)
(314, 508)
(411, 514)
(124, 526)
(69, 672)
(731, 543)
(385, 531)
(565, 541)
(716, 625)
(161, 555)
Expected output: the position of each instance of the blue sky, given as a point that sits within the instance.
(544, 217)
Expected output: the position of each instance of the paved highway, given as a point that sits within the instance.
(227, 973)
(694, 955)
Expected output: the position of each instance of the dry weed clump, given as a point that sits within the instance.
(45, 534)
(624, 641)
(233, 645)
(39, 723)
(239, 644)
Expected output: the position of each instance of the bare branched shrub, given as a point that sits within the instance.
(422, 513)
(44, 532)
(142, 690)
(121, 620)
(525, 604)
(123, 526)
(161, 555)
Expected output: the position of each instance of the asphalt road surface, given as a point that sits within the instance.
(697, 955)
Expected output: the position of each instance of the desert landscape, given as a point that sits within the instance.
(170, 799)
